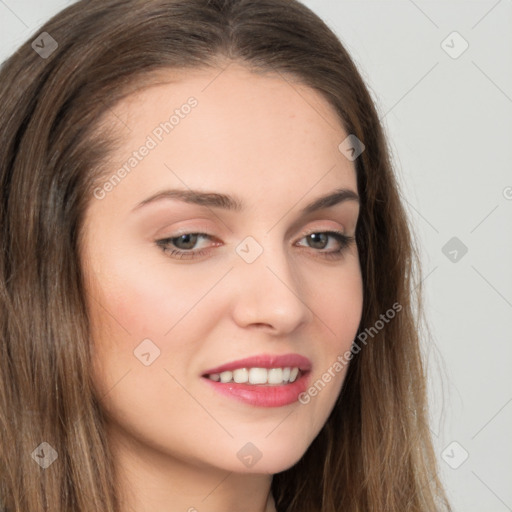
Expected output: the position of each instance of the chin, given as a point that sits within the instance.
(267, 458)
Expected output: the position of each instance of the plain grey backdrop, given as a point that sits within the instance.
(440, 73)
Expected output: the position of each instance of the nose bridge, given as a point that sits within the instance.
(271, 291)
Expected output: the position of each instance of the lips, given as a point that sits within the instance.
(293, 372)
(264, 361)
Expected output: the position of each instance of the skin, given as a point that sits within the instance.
(174, 439)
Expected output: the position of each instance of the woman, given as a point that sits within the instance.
(207, 272)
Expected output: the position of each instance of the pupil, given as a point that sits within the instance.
(191, 240)
(317, 236)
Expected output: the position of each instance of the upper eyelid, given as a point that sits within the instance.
(207, 229)
(207, 232)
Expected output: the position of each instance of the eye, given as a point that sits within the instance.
(186, 241)
(319, 239)
(181, 247)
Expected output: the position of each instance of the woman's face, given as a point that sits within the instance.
(262, 281)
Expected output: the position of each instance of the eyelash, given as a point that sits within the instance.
(163, 244)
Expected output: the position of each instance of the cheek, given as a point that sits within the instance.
(148, 299)
(158, 308)
(339, 309)
(339, 306)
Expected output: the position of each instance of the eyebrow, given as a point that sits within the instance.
(231, 203)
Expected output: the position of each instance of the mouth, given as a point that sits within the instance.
(258, 376)
(264, 380)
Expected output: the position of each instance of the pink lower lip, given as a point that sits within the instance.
(261, 395)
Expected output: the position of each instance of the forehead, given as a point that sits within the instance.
(246, 130)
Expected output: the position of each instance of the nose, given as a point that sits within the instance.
(271, 294)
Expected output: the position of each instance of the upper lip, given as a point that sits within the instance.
(265, 361)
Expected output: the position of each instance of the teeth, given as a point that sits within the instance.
(258, 375)
(272, 376)
(241, 375)
(226, 376)
(275, 376)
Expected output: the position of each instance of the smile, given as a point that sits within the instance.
(265, 380)
(257, 376)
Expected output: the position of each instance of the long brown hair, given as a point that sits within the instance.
(374, 453)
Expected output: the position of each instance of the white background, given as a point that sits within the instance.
(449, 122)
